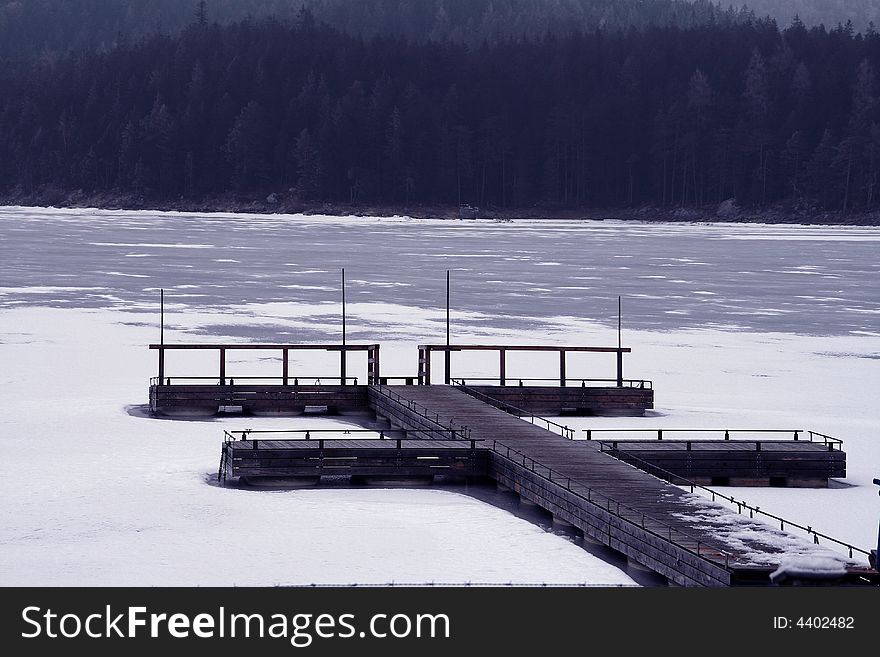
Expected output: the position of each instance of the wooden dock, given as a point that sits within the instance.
(242, 397)
(607, 490)
(653, 523)
(627, 400)
(583, 483)
(191, 397)
(390, 459)
(778, 463)
(292, 390)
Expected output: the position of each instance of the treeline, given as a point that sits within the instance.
(820, 12)
(664, 116)
(48, 28)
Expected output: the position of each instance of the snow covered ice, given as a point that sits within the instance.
(738, 326)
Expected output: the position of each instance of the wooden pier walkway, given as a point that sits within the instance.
(653, 523)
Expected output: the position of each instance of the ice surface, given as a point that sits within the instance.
(743, 275)
(94, 504)
(98, 496)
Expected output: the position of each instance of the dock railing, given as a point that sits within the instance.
(299, 379)
(660, 434)
(372, 352)
(315, 435)
(641, 384)
(427, 350)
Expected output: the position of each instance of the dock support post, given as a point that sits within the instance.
(222, 366)
(284, 366)
(503, 374)
(559, 523)
(562, 368)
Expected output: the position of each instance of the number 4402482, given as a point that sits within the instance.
(825, 622)
(814, 623)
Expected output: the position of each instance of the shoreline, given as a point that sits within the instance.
(723, 213)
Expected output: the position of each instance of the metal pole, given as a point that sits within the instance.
(619, 340)
(448, 359)
(343, 306)
(619, 346)
(342, 357)
(876, 565)
(447, 307)
(161, 336)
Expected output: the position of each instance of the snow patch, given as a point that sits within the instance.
(809, 567)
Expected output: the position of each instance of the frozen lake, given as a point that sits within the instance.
(803, 280)
(737, 325)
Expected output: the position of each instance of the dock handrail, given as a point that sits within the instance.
(517, 381)
(230, 380)
(611, 505)
(380, 434)
(371, 350)
(811, 436)
(427, 350)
